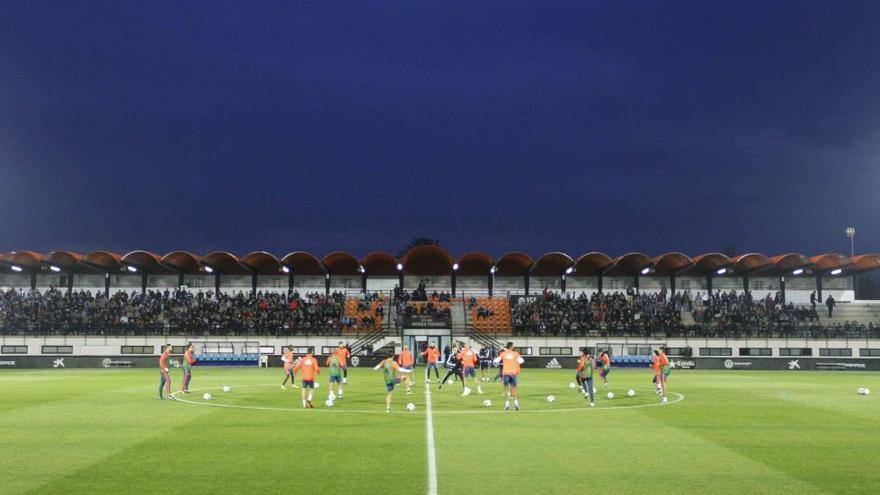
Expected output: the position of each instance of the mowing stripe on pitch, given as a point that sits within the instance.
(432, 457)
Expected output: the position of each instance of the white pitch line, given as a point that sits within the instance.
(175, 396)
(432, 456)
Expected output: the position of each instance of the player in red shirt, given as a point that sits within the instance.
(165, 378)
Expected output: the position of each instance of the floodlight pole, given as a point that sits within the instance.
(851, 233)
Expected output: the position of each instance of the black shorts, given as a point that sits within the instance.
(485, 364)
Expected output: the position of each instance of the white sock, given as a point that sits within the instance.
(507, 403)
(340, 391)
(310, 395)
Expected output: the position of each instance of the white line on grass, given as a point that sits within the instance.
(178, 398)
(432, 457)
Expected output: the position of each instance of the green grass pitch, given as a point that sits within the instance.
(104, 431)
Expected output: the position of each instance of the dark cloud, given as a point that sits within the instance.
(491, 126)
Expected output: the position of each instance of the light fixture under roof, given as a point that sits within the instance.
(721, 271)
(55, 268)
(836, 271)
(455, 266)
(646, 270)
(399, 267)
(798, 271)
(131, 269)
(15, 268)
(285, 269)
(208, 269)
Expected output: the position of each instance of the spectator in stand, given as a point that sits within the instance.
(830, 303)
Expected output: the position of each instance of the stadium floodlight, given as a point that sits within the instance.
(646, 270)
(361, 269)
(493, 270)
(569, 270)
(851, 233)
(285, 269)
(55, 268)
(208, 269)
(836, 271)
(131, 269)
(455, 266)
(798, 271)
(722, 271)
(399, 267)
(15, 268)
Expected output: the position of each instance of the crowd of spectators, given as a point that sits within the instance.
(723, 314)
(554, 314)
(738, 314)
(55, 312)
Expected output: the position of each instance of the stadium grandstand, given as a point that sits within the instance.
(555, 295)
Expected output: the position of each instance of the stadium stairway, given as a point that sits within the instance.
(371, 338)
(858, 312)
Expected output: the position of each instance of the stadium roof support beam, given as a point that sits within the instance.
(24, 262)
(515, 264)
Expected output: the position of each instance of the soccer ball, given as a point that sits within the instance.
(551, 398)
(631, 393)
(410, 407)
(594, 391)
(317, 385)
(207, 396)
(864, 391)
(332, 396)
(572, 385)
(329, 402)
(226, 388)
(487, 403)
(610, 395)
(450, 381)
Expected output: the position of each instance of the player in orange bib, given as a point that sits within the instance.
(289, 374)
(432, 356)
(405, 361)
(469, 368)
(660, 365)
(164, 377)
(309, 366)
(510, 359)
(344, 355)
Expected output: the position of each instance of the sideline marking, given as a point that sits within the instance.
(174, 396)
(432, 458)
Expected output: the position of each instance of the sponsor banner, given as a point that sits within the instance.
(737, 364)
(427, 322)
(64, 362)
(682, 364)
(788, 364)
(516, 300)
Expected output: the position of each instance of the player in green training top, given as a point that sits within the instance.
(391, 371)
(334, 364)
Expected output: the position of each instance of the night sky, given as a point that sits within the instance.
(491, 126)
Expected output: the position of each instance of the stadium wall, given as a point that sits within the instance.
(709, 353)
